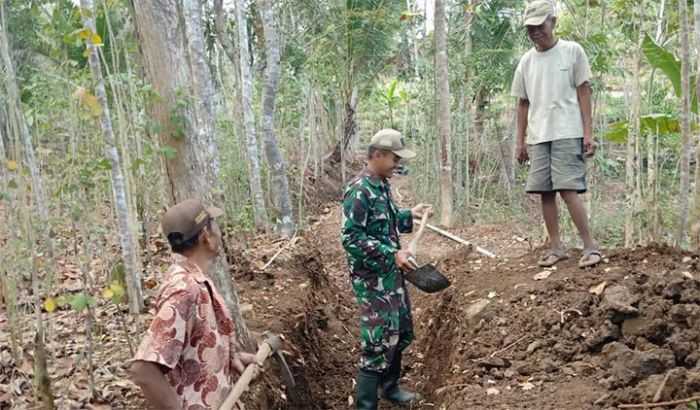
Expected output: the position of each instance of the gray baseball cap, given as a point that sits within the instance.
(391, 140)
(537, 11)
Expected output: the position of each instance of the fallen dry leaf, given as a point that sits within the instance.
(542, 275)
(598, 289)
(27, 367)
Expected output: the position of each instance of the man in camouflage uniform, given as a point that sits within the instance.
(370, 235)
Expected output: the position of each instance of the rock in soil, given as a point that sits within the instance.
(626, 366)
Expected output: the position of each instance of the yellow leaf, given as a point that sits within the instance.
(91, 101)
(96, 39)
(84, 34)
(107, 293)
(88, 99)
(50, 304)
(12, 165)
(117, 289)
(86, 53)
(96, 111)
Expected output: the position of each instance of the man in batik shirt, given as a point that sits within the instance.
(370, 236)
(187, 358)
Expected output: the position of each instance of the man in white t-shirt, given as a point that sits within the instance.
(554, 127)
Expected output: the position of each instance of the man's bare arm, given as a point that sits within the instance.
(522, 112)
(583, 92)
(158, 392)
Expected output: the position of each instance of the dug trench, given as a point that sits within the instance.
(624, 332)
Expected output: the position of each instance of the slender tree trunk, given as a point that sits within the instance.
(42, 381)
(280, 184)
(660, 21)
(685, 123)
(412, 8)
(695, 228)
(505, 148)
(326, 128)
(632, 140)
(313, 132)
(246, 83)
(4, 125)
(8, 284)
(652, 184)
(466, 109)
(468, 21)
(350, 129)
(240, 57)
(130, 252)
(84, 261)
(349, 126)
(172, 44)
(16, 116)
(444, 126)
(118, 98)
(202, 86)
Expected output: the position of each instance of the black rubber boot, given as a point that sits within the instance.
(389, 385)
(366, 390)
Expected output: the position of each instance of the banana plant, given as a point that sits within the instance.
(391, 100)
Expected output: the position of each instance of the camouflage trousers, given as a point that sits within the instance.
(385, 315)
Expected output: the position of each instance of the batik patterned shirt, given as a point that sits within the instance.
(192, 336)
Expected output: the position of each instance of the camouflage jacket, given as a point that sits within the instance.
(371, 225)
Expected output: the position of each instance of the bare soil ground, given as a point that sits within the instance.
(623, 332)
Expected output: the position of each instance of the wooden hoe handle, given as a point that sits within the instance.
(413, 246)
(264, 351)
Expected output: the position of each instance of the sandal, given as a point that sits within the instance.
(551, 257)
(590, 257)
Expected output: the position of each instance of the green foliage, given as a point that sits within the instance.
(177, 113)
(649, 124)
(607, 166)
(662, 59)
(496, 35)
(390, 96)
(115, 292)
(77, 301)
(357, 41)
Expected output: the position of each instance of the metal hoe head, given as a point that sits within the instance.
(275, 343)
(428, 279)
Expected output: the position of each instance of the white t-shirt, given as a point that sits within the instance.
(548, 80)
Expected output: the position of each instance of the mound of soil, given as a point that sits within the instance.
(577, 339)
